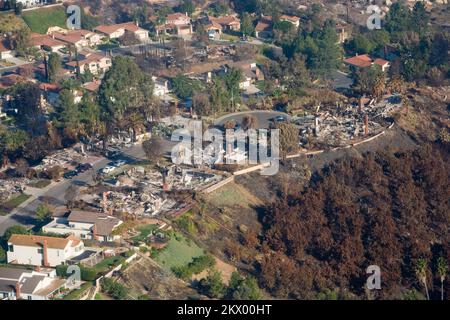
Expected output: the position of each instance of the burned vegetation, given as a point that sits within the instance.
(385, 209)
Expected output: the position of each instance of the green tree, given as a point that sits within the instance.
(184, 87)
(124, 87)
(43, 213)
(17, 229)
(421, 274)
(419, 18)
(212, 284)
(360, 44)
(53, 66)
(69, 115)
(187, 6)
(232, 79)
(247, 27)
(11, 141)
(241, 288)
(442, 273)
(21, 41)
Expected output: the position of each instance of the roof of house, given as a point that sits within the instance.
(92, 86)
(45, 40)
(10, 276)
(176, 16)
(212, 25)
(72, 36)
(110, 29)
(50, 87)
(91, 58)
(361, 61)
(225, 20)
(11, 273)
(381, 62)
(104, 223)
(7, 285)
(37, 241)
(290, 18)
(364, 60)
(10, 80)
(264, 24)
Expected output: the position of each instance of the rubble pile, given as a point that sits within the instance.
(143, 191)
(11, 188)
(340, 126)
(65, 158)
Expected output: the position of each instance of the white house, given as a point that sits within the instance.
(43, 251)
(85, 225)
(29, 284)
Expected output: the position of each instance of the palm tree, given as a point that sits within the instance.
(442, 271)
(421, 274)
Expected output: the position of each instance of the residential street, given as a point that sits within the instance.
(56, 193)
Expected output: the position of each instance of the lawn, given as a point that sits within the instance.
(76, 294)
(8, 206)
(107, 263)
(144, 230)
(232, 195)
(41, 19)
(179, 252)
(40, 184)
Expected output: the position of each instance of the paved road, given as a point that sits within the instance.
(263, 117)
(341, 80)
(58, 194)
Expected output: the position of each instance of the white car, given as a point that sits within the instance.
(108, 169)
(119, 163)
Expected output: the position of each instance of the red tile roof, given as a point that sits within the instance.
(45, 40)
(360, 61)
(91, 58)
(176, 16)
(290, 18)
(37, 241)
(130, 26)
(264, 24)
(225, 20)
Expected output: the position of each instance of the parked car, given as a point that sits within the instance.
(118, 163)
(82, 167)
(70, 174)
(107, 169)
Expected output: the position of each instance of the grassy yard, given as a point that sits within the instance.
(144, 230)
(179, 252)
(41, 19)
(40, 184)
(108, 263)
(76, 294)
(232, 195)
(8, 206)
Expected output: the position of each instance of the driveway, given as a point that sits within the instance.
(341, 80)
(263, 117)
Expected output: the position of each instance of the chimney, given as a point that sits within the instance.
(366, 124)
(94, 232)
(229, 149)
(45, 253)
(361, 104)
(317, 126)
(17, 288)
